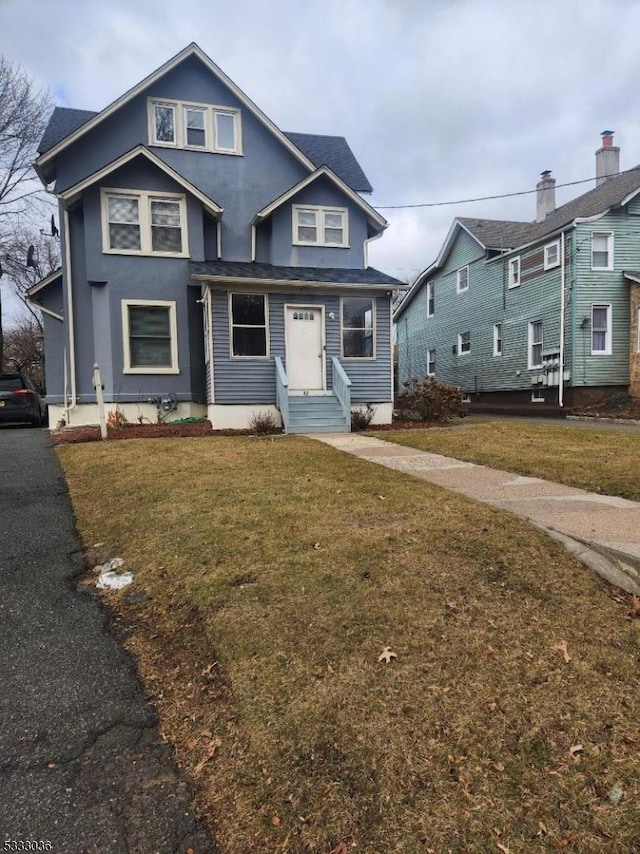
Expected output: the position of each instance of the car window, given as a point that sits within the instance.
(10, 383)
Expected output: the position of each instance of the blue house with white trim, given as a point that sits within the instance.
(210, 262)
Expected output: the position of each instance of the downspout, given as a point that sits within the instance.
(562, 293)
(71, 336)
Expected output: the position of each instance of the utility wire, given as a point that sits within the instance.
(500, 195)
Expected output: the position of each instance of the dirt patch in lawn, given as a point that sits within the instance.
(278, 571)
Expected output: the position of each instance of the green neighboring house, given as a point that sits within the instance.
(509, 308)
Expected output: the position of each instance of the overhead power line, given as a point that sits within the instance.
(500, 195)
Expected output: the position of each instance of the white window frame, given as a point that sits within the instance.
(431, 300)
(144, 197)
(373, 357)
(497, 339)
(180, 125)
(462, 352)
(531, 365)
(267, 332)
(537, 396)
(607, 332)
(431, 361)
(609, 236)
(174, 368)
(513, 276)
(549, 265)
(459, 289)
(320, 212)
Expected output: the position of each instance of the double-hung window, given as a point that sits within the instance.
(601, 330)
(164, 124)
(464, 343)
(431, 303)
(196, 127)
(150, 339)
(497, 339)
(514, 272)
(144, 223)
(535, 344)
(602, 250)
(552, 255)
(462, 279)
(320, 226)
(431, 362)
(249, 327)
(358, 328)
(203, 127)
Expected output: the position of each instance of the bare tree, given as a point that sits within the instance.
(23, 350)
(40, 250)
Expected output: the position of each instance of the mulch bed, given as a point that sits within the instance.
(72, 435)
(629, 410)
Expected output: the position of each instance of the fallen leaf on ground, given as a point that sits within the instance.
(503, 848)
(575, 751)
(316, 545)
(634, 612)
(386, 655)
(276, 821)
(562, 647)
(340, 848)
(215, 744)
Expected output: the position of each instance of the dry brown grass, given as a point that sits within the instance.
(604, 461)
(278, 569)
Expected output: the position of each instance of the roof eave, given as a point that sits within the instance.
(283, 284)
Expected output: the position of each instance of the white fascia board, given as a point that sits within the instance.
(140, 150)
(43, 283)
(446, 246)
(375, 218)
(191, 50)
(223, 282)
(631, 277)
(413, 290)
(37, 307)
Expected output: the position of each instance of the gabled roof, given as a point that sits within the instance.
(378, 221)
(191, 50)
(62, 122)
(496, 233)
(141, 151)
(44, 283)
(334, 152)
(252, 271)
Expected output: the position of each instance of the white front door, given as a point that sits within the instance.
(305, 358)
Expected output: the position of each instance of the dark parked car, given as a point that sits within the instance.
(20, 401)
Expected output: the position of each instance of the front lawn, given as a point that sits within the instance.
(278, 569)
(604, 461)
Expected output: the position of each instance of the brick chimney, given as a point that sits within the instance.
(607, 158)
(546, 196)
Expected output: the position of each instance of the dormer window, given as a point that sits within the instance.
(200, 127)
(320, 226)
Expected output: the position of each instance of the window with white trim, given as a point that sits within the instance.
(462, 279)
(497, 339)
(431, 302)
(552, 255)
(358, 328)
(602, 250)
(535, 344)
(431, 362)
(249, 327)
(203, 127)
(537, 396)
(464, 343)
(601, 330)
(514, 272)
(150, 337)
(144, 223)
(314, 225)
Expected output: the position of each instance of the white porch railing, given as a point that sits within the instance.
(342, 389)
(282, 392)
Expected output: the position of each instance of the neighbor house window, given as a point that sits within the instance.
(358, 319)
(431, 303)
(464, 342)
(462, 279)
(537, 396)
(319, 226)
(431, 362)
(144, 223)
(514, 272)
(150, 338)
(249, 314)
(497, 339)
(200, 126)
(535, 344)
(552, 255)
(600, 330)
(602, 250)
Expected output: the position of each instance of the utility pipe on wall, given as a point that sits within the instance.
(562, 322)
(71, 346)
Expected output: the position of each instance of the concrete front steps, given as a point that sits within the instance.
(316, 414)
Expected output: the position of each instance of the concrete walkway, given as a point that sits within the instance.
(602, 530)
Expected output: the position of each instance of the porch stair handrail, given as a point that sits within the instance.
(342, 389)
(282, 392)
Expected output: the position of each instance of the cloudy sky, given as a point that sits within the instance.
(440, 100)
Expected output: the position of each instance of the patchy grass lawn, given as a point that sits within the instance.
(604, 461)
(277, 571)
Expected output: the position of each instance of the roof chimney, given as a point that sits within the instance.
(546, 196)
(607, 158)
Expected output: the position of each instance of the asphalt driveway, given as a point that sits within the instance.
(81, 763)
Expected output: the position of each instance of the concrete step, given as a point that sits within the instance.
(325, 429)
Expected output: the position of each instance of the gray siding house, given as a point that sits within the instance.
(533, 313)
(211, 264)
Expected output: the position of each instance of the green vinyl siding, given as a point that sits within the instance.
(412, 339)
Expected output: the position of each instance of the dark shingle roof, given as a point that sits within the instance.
(334, 152)
(270, 272)
(496, 233)
(63, 121)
